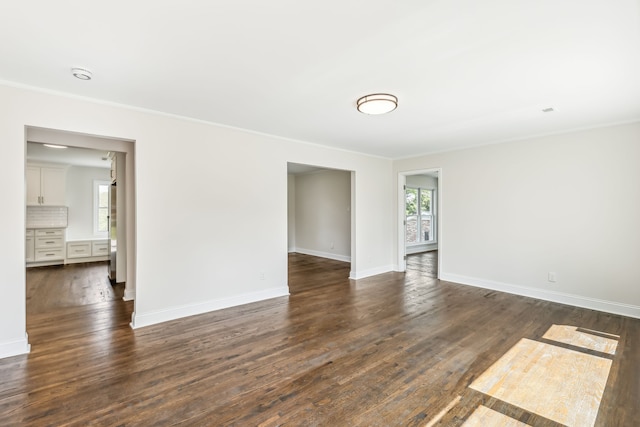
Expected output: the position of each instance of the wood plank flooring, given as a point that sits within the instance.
(391, 350)
(57, 286)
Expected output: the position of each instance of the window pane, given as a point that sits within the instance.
(411, 201)
(425, 201)
(103, 219)
(103, 196)
(412, 229)
(425, 228)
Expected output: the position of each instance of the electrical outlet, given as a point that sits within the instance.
(552, 277)
(262, 275)
(331, 245)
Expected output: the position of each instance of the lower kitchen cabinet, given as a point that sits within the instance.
(30, 255)
(78, 249)
(45, 246)
(87, 250)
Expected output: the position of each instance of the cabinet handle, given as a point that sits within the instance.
(49, 242)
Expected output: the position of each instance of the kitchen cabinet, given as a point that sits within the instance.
(113, 167)
(46, 186)
(87, 248)
(79, 249)
(100, 248)
(30, 247)
(87, 251)
(49, 245)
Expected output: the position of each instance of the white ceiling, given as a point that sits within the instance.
(466, 72)
(300, 169)
(37, 152)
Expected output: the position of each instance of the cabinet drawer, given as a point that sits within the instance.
(49, 254)
(53, 232)
(49, 242)
(100, 248)
(78, 249)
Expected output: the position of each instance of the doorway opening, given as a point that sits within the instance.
(320, 220)
(70, 268)
(419, 228)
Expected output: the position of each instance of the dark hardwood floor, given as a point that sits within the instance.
(394, 349)
(49, 288)
(424, 264)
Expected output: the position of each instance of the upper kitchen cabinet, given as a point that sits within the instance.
(46, 186)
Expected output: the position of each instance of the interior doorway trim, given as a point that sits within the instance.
(402, 247)
(294, 168)
(103, 143)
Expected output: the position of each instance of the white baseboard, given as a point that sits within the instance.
(543, 294)
(147, 319)
(371, 272)
(15, 348)
(328, 255)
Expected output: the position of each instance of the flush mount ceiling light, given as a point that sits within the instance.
(58, 147)
(377, 103)
(81, 73)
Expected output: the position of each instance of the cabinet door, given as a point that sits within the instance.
(53, 186)
(30, 247)
(33, 185)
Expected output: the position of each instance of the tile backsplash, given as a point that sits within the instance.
(47, 216)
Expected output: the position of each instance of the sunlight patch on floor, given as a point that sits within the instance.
(591, 340)
(562, 385)
(483, 417)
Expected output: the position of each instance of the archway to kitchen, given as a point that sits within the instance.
(320, 224)
(90, 206)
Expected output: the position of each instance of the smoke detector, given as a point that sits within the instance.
(81, 73)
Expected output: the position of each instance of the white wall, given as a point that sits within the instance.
(323, 214)
(568, 204)
(79, 196)
(193, 230)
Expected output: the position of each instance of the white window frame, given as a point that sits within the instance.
(418, 215)
(96, 199)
